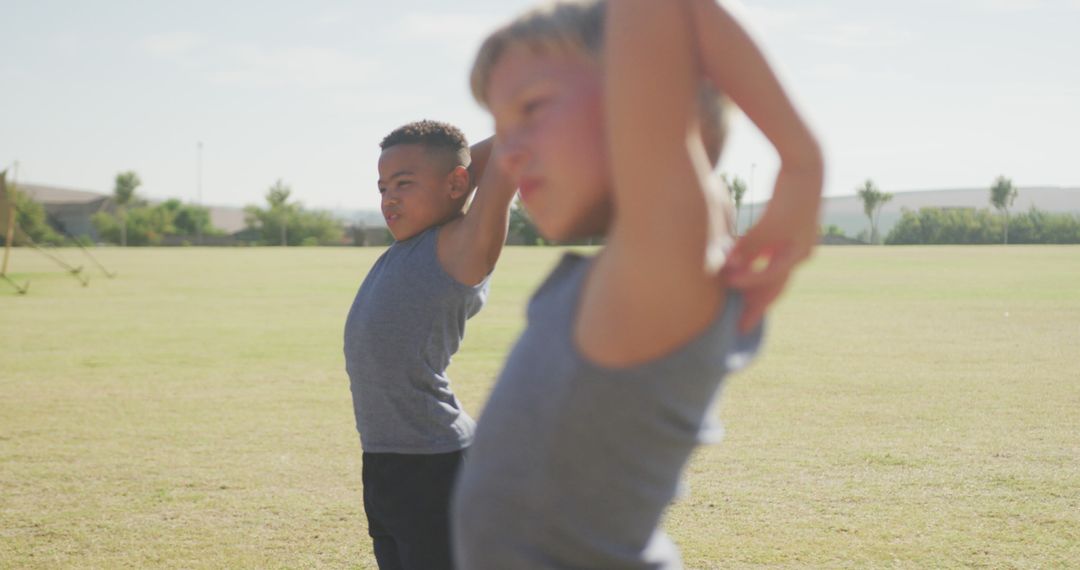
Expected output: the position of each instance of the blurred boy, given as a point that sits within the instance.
(610, 387)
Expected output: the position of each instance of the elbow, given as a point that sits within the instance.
(804, 156)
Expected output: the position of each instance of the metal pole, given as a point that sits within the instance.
(198, 228)
(10, 199)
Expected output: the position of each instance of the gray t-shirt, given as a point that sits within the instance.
(574, 463)
(405, 324)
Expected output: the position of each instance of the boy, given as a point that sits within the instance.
(406, 323)
(609, 388)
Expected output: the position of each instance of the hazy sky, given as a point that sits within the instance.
(916, 95)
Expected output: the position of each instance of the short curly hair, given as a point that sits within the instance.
(442, 138)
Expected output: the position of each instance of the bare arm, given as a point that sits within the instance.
(470, 245)
(787, 232)
(651, 290)
(480, 154)
(734, 63)
(656, 286)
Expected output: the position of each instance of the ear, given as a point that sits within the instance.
(459, 182)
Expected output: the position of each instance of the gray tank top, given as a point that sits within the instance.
(405, 324)
(574, 463)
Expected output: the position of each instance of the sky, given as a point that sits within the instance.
(915, 95)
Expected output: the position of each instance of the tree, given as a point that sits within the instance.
(30, 217)
(522, 226)
(833, 230)
(148, 225)
(1002, 196)
(189, 219)
(873, 199)
(138, 226)
(277, 198)
(286, 223)
(737, 188)
(124, 195)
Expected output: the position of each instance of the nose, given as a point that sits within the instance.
(390, 198)
(513, 154)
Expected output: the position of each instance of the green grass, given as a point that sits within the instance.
(914, 408)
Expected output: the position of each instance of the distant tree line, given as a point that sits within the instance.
(136, 222)
(286, 222)
(971, 226)
(283, 222)
(133, 222)
(143, 224)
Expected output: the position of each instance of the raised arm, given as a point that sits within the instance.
(653, 288)
(480, 154)
(787, 232)
(471, 244)
(657, 286)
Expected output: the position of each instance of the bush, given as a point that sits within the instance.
(148, 225)
(145, 226)
(31, 218)
(832, 230)
(303, 227)
(971, 226)
(189, 219)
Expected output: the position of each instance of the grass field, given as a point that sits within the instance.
(914, 408)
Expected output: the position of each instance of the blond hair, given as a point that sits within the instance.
(576, 27)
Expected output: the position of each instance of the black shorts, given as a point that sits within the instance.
(407, 501)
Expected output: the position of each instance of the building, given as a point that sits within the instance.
(68, 210)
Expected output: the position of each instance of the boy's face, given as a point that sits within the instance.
(548, 112)
(419, 189)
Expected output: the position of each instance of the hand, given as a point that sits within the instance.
(762, 260)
